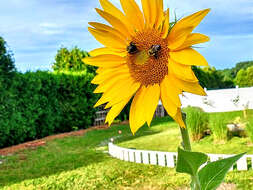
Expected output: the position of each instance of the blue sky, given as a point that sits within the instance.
(36, 29)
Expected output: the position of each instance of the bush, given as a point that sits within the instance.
(219, 128)
(42, 103)
(249, 129)
(197, 122)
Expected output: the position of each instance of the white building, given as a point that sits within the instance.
(222, 100)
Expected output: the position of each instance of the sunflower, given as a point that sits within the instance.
(145, 57)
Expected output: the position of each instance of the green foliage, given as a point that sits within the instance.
(71, 60)
(197, 122)
(244, 77)
(239, 66)
(7, 67)
(189, 162)
(219, 128)
(211, 78)
(42, 103)
(6, 60)
(212, 175)
(249, 129)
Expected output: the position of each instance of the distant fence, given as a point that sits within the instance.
(101, 114)
(168, 159)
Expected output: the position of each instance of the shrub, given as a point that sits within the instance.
(197, 122)
(219, 128)
(42, 103)
(249, 129)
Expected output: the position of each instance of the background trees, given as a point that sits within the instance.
(244, 77)
(71, 60)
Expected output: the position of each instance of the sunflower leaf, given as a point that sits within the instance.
(212, 175)
(189, 162)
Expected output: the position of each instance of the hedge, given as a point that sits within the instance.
(37, 104)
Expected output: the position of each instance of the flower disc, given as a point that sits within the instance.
(145, 67)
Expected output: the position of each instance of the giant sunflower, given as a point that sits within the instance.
(145, 57)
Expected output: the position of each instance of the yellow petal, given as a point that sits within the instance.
(105, 60)
(109, 73)
(107, 28)
(118, 91)
(192, 20)
(111, 9)
(188, 56)
(115, 22)
(105, 50)
(193, 39)
(150, 101)
(153, 13)
(178, 118)
(177, 37)
(137, 114)
(172, 90)
(100, 69)
(109, 83)
(115, 110)
(108, 39)
(168, 104)
(133, 13)
(166, 25)
(192, 87)
(126, 91)
(146, 11)
(183, 72)
(159, 16)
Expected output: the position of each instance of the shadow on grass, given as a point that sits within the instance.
(45, 161)
(143, 131)
(70, 153)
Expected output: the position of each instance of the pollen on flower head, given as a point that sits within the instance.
(146, 66)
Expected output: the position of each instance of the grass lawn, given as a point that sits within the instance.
(81, 162)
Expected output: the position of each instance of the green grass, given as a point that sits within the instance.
(80, 162)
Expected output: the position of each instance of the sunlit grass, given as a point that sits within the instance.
(81, 162)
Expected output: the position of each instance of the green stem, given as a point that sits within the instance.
(187, 146)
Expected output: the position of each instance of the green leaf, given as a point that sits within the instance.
(189, 162)
(212, 175)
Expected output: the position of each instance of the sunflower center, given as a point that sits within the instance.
(148, 57)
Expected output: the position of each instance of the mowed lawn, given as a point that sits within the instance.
(78, 163)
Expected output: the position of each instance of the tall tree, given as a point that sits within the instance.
(71, 60)
(6, 59)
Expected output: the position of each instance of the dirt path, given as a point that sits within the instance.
(43, 141)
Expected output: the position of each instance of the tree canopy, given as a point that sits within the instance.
(6, 60)
(71, 60)
(244, 77)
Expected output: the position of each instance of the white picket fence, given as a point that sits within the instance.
(168, 159)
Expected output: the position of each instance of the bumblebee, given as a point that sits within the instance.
(132, 48)
(154, 50)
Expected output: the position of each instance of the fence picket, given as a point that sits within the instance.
(131, 155)
(170, 160)
(145, 157)
(161, 158)
(242, 163)
(153, 159)
(138, 157)
(126, 157)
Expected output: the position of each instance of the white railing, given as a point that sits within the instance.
(168, 159)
